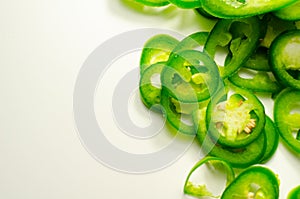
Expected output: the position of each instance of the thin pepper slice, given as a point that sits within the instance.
(285, 59)
(242, 8)
(201, 190)
(154, 3)
(291, 12)
(157, 49)
(190, 76)
(240, 36)
(239, 157)
(237, 121)
(286, 120)
(255, 182)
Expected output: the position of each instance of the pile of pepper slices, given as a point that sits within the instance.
(218, 103)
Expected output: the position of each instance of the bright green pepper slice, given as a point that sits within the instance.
(294, 193)
(190, 76)
(239, 157)
(154, 3)
(186, 4)
(285, 59)
(287, 121)
(242, 8)
(201, 190)
(291, 12)
(256, 182)
(157, 49)
(240, 36)
(237, 121)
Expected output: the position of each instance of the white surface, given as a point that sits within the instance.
(43, 45)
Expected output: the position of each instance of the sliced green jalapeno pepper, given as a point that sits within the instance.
(192, 42)
(190, 76)
(285, 59)
(242, 8)
(287, 121)
(272, 139)
(154, 3)
(174, 113)
(150, 94)
(294, 193)
(238, 157)
(241, 36)
(237, 121)
(256, 182)
(291, 12)
(187, 4)
(201, 190)
(157, 49)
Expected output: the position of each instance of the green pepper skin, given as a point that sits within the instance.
(186, 4)
(239, 9)
(157, 49)
(150, 94)
(255, 182)
(291, 12)
(294, 193)
(272, 138)
(240, 36)
(287, 122)
(284, 58)
(154, 3)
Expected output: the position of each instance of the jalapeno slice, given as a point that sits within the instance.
(150, 91)
(255, 182)
(237, 121)
(157, 49)
(294, 193)
(286, 118)
(201, 190)
(285, 59)
(187, 4)
(190, 76)
(242, 8)
(154, 3)
(192, 42)
(272, 139)
(241, 36)
(237, 157)
(291, 12)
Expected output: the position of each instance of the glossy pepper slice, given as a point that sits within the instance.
(242, 8)
(154, 3)
(294, 193)
(238, 157)
(285, 59)
(287, 119)
(272, 139)
(291, 12)
(256, 182)
(150, 91)
(157, 49)
(240, 36)
(187, 4)
(237, 121)
(190, 76)
(201, 190)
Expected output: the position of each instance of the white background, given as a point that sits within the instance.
(43, 44)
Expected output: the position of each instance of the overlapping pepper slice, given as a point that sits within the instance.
(190, 76)
(237, 121)
(196, 190)
(255, 182)
(287, 119)
(284, 58)
(240, 36)
(291, 12)
(242, 8)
